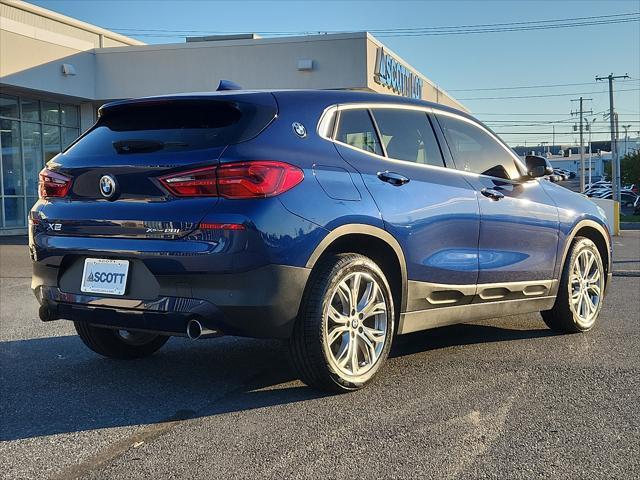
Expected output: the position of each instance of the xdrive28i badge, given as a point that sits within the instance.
(108, 187)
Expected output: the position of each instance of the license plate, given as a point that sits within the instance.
(101, 275)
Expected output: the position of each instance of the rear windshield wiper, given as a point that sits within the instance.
(144, 146)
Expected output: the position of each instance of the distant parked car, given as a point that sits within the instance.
(561, 173)
(636, 206)
(600, 184)
(627, 199)
(596, 192)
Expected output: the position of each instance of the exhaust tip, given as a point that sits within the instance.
(46, 313)
(194, 329)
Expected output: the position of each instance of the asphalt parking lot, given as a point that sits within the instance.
(503, 398)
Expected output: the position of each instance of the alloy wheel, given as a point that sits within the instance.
(356, 324)
(586, 284)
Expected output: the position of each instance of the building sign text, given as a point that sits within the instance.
(392, 74)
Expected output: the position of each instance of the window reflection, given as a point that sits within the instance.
(476, 151)
(30, 109)
(32, 132)
(407, 135)
(32, 154)
(68, 136)
(51, 141)
(11, 158)
(8, 106)
(50, 112)
(356, 129)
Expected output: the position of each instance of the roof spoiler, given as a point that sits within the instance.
(227, 85)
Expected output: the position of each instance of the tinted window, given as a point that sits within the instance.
(407, 135)
(476, 151)
(173, 125)
(356, 129)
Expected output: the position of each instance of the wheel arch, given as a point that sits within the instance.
(599, 235)
(377, 244)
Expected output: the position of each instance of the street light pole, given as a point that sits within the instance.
(590, 127)
(626, 137)
(580, 113)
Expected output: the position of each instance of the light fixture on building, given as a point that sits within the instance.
(305, 65)
(68, 70)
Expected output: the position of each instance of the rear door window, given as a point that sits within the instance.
(408, 135)
(355, 128)
(474, 150)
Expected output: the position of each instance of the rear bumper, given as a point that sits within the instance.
(260, 303)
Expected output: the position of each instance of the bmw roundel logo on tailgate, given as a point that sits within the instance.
(108, 186)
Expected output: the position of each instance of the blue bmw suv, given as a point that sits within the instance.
(332, 219)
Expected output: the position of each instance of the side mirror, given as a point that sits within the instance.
(537, 166)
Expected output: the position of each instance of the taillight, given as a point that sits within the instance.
(257, 179)
(53, 184)
(192, 183)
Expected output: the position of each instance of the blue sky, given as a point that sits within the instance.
(488, 60)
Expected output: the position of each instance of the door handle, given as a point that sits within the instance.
(393, 178)
(492, 194)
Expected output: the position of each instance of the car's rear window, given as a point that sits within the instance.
(144, 127)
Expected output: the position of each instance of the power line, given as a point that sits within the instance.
(549, 133)
(547, 114)
(424, 31)
(547, 95)
(536, 121)
(529, 22)
(520, 113)
(531, 86)
(387, 30)
(517, 29)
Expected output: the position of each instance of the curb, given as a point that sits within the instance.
(14, 240)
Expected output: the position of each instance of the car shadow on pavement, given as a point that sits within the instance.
(462, 334)
(55, 385)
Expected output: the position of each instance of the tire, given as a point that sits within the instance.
(119, 344)
(328, 330)
(571, 313)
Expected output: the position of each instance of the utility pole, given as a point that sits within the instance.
(615, 160)
(581, 116)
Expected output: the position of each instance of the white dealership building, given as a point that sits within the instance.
(55, 71)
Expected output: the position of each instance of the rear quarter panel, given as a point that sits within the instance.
(332, 192)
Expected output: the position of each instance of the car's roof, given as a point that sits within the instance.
(322, 98)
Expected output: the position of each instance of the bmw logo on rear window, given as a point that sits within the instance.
(299, 129)
(108, 186)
